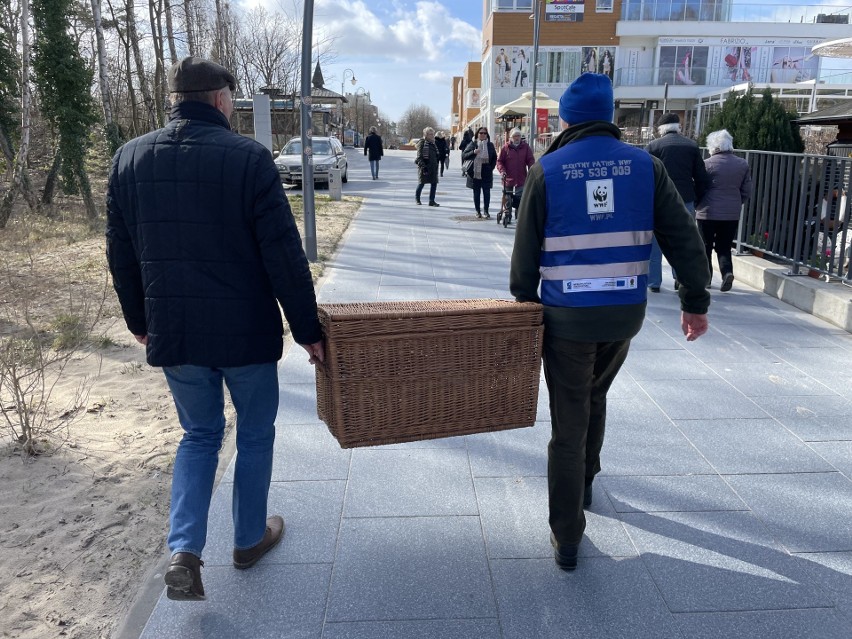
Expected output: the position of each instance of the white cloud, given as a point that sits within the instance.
(439, 77)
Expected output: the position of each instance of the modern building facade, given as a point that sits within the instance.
(677, 55)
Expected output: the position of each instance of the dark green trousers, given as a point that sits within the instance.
(578, 376)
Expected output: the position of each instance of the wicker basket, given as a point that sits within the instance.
(406, 371)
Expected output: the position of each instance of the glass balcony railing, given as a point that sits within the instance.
(728, 11)
(725, 76)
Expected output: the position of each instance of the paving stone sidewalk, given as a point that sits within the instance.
(724, 508)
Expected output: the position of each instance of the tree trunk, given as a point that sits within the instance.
(50, 181)
(133, 38)
(110, 128)
(170, 33)
(20, 180)
(190, 32)
(155, 11)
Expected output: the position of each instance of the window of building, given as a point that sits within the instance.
(511, 5)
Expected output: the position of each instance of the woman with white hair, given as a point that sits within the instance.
(513, 162)
(718, 211)
(427, 165)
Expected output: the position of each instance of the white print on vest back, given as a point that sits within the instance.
(599, 284)
(599, 197)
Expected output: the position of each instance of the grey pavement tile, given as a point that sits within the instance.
(807, 512)
(651, 337)
(297, 404)
(670, 494)
(739, 446)
(814, 418)
(832, 571)
(701, 399)
(303, 452)
(726, 346)
(719, 561)
(641, 440)
(295, 367)
(311, 512)
(784, 334)
(666, 364)
(344, 294)
(266, 602)
(410, 482)
(437, 629)
(483, 290)
(827, 364)
(410, 568)
(514, 518)
(814, 623)
(838, 454)
(602, 598)
(510, 453)
(407, 293)
(769, 379)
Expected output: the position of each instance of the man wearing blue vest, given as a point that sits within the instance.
(591, 207)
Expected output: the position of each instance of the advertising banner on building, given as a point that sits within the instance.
(557, 66)
(564, 10)
(541, 120)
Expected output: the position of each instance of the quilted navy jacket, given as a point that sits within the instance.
(202, 245)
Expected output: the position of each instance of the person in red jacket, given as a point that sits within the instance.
(513, 163)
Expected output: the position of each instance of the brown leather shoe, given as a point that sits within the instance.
(250, 556)
(183, 578)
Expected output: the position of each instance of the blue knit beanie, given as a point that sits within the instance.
(589, 97)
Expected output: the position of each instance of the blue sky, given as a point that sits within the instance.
(403, 52)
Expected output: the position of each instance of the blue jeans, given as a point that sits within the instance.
(200, 401)
(374, 169)
(655, 266)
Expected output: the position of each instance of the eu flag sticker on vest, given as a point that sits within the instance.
(599, 284)
(600, 196)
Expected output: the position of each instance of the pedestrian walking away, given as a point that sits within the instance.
(467, 137)
(374, 150)
(685, 165)
(513, 163)
(203, 247)
(718, 212)
(443, 151)
(481, 176)
(589, 210)
(426, 160)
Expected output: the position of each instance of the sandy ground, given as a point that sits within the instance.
(81, 523)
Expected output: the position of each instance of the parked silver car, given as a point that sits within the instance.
(327, 153)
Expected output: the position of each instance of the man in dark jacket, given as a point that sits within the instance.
(374, 149)
(203, 247)
(590, 207)
(685, 165)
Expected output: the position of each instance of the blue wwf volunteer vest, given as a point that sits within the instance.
(600, 224)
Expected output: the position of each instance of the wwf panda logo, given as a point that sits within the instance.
(600, 197)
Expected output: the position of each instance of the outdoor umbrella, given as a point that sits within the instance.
(524, 103)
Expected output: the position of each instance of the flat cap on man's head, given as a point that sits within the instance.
(668, 118)
(191, 75)
(587, 98)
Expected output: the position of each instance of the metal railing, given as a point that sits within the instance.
(799, 212)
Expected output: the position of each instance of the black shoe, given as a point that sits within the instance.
(564, 554)
(250, 556)
(479, 215)
(417, 200)
(487, 217)
(655, 289)
(727, 282)
(183, 578)
(676, 285)
(433, 203)
(587, 496)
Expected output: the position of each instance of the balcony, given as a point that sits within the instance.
(786, 71)
(728, 11)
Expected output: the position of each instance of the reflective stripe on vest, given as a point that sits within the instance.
(599, 226)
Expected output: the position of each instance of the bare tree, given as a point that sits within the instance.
(416, 118)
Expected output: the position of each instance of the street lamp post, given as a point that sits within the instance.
(536, 27)
(342, 84)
